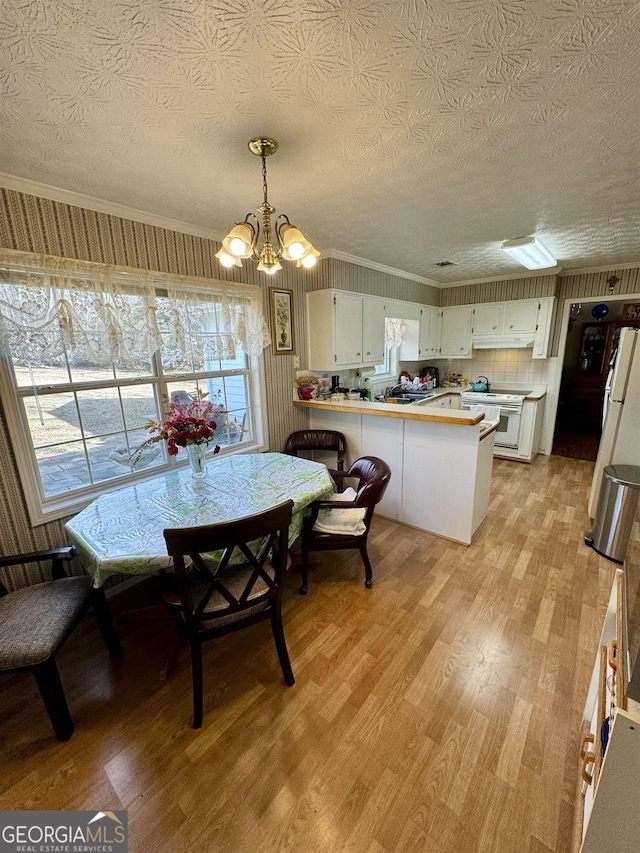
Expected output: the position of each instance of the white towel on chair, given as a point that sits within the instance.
(348, 522)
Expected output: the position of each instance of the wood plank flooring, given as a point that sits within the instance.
(438, 711)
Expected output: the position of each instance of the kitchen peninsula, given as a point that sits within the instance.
(441, 460)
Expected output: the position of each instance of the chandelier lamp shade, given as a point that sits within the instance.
(529, 252)
(242, 241)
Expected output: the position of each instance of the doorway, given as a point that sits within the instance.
(591, 338)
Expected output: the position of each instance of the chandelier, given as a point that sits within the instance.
(242, 240)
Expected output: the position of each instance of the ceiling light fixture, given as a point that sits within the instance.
(529, 252)
(242, 240)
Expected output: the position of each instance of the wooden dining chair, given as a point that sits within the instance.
(345, 524)
(226, 585)
(36, 620)
(307, 440)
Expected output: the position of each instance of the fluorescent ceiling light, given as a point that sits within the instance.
(529, 252)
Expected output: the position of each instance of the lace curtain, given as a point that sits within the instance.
(393, 332)
(107, 314)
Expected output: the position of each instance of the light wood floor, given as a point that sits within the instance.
(439, 711)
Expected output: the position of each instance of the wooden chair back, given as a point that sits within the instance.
(318, 439)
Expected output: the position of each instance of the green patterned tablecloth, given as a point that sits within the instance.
(121, 532)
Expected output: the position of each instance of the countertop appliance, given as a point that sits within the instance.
(621, 415)
(510, 406)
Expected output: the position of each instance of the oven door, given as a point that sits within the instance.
(508, 431)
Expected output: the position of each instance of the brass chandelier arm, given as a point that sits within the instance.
(281, 222)
(254, 224)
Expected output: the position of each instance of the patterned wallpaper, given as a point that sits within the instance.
(500, 291)
(410, 132)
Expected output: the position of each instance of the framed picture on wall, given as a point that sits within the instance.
(282, 334)
(631, 311)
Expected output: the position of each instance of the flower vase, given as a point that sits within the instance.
(197, 460)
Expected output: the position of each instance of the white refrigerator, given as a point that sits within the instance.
(620, 441)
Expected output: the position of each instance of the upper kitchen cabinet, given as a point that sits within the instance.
(421, 336)
(345, 329)
(516, 323)
(488, 319)
(430, 322)
(455, 332)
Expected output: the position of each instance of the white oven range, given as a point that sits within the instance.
(510, 405)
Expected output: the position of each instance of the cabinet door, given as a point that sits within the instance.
(434, 333)
(348, 326)
(543, 332)
(520, 316)
(456, 332)
(487, 319)
(429, 332)
(373, 315)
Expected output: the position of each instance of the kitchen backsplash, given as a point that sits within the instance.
(502, 367)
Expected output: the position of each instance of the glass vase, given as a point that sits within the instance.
(197, 460)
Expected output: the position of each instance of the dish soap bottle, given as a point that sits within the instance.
(367, 388)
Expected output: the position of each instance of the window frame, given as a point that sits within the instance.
(43, 509)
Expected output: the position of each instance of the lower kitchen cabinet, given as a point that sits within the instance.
(441, 471)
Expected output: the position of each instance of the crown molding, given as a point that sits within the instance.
(372, 265)
(533, 274)
(25, 185)
(610, 268)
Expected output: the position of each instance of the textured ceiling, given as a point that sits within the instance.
(410, 132)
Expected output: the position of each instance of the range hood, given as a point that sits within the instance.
(501, 342)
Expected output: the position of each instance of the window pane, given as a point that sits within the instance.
(63, 468)
(30, 373)
(145, 454)
(140, 405)
(52, 418)
(108, 457)
(100, 411)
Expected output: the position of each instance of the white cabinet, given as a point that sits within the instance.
(373, 315)
(521, 322)
(446, 401)
(347, 323)
(543, 332)
(455, 332)
(488, 319)
(345, 329)
(429, 344)
(521, 317)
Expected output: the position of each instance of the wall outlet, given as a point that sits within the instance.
(296, 362)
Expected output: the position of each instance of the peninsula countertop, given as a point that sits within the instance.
(456, 417)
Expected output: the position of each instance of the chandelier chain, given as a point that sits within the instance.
(264, 179)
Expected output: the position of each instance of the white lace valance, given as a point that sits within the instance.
(393, 332)
(107, 313)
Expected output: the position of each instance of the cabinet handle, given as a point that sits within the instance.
(357, 353)
(461, 349)
(613, 654)
(511, 326)
(368, 353)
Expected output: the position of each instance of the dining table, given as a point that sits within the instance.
(121, 532)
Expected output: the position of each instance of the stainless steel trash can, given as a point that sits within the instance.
(617, 505)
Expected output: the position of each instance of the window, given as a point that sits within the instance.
(393, 338)
(87, 365)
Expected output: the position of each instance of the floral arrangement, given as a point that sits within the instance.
(191, 420)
